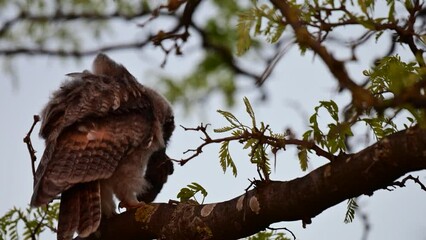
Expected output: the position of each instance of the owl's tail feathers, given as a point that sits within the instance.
(90, 208)
(69, 213)
(80, 210)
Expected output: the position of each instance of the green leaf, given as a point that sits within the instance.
(350, 212)
(381, 126)
(189, 192)
(303, 158)
(259, 157)
(255, 18)
(250, 143)
(307, 135)
(198, 188)
(237, 132)
(250, 111)
(268, 235)
(332, 109)
(245, 22)
(185, 194)
(224, 129)
(226, 159)
(231, 118)
(32, 221)
(391, 13)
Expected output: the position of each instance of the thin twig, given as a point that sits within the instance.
(404, 180)
(276, 143)
(74, 53)
(283, 228)
(27, 140)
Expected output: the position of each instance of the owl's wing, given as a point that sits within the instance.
(88, 95)
(88, 135)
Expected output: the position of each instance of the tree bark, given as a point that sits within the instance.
(369, 170)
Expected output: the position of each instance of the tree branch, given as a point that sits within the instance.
(74, 53)
(361, 96)
(59, 16)
(225, 53)
(27, 141)
(372, 169)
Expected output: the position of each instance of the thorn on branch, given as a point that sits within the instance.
(27, 140)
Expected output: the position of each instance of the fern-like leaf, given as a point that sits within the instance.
(245, 22)
(303, 158)
(249, 110)
(230, 118)
(224, 129)
(226, 159)
(252, 142)
(350, 212)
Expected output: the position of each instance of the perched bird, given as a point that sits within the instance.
(106, 135)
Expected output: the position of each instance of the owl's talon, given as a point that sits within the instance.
(128, 206)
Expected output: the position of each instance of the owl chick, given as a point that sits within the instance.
(105, 136)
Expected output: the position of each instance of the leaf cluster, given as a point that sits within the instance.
(255, 137)
(34, 222)
(263, 20)
(337, 132)
(392, 78)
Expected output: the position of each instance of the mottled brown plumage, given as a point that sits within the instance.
(102, 129)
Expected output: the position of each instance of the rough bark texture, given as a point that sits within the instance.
(300, 199)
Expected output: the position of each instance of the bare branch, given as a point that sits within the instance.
(59, 16)
(27, 140)
(74, 53)
(404, 180)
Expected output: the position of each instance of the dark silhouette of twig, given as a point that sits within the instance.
(27, 140)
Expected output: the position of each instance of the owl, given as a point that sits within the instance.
(106, 136)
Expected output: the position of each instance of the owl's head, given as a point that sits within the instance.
(103, 65)
(163, 112)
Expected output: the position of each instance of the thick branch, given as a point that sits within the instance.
(372, 169)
